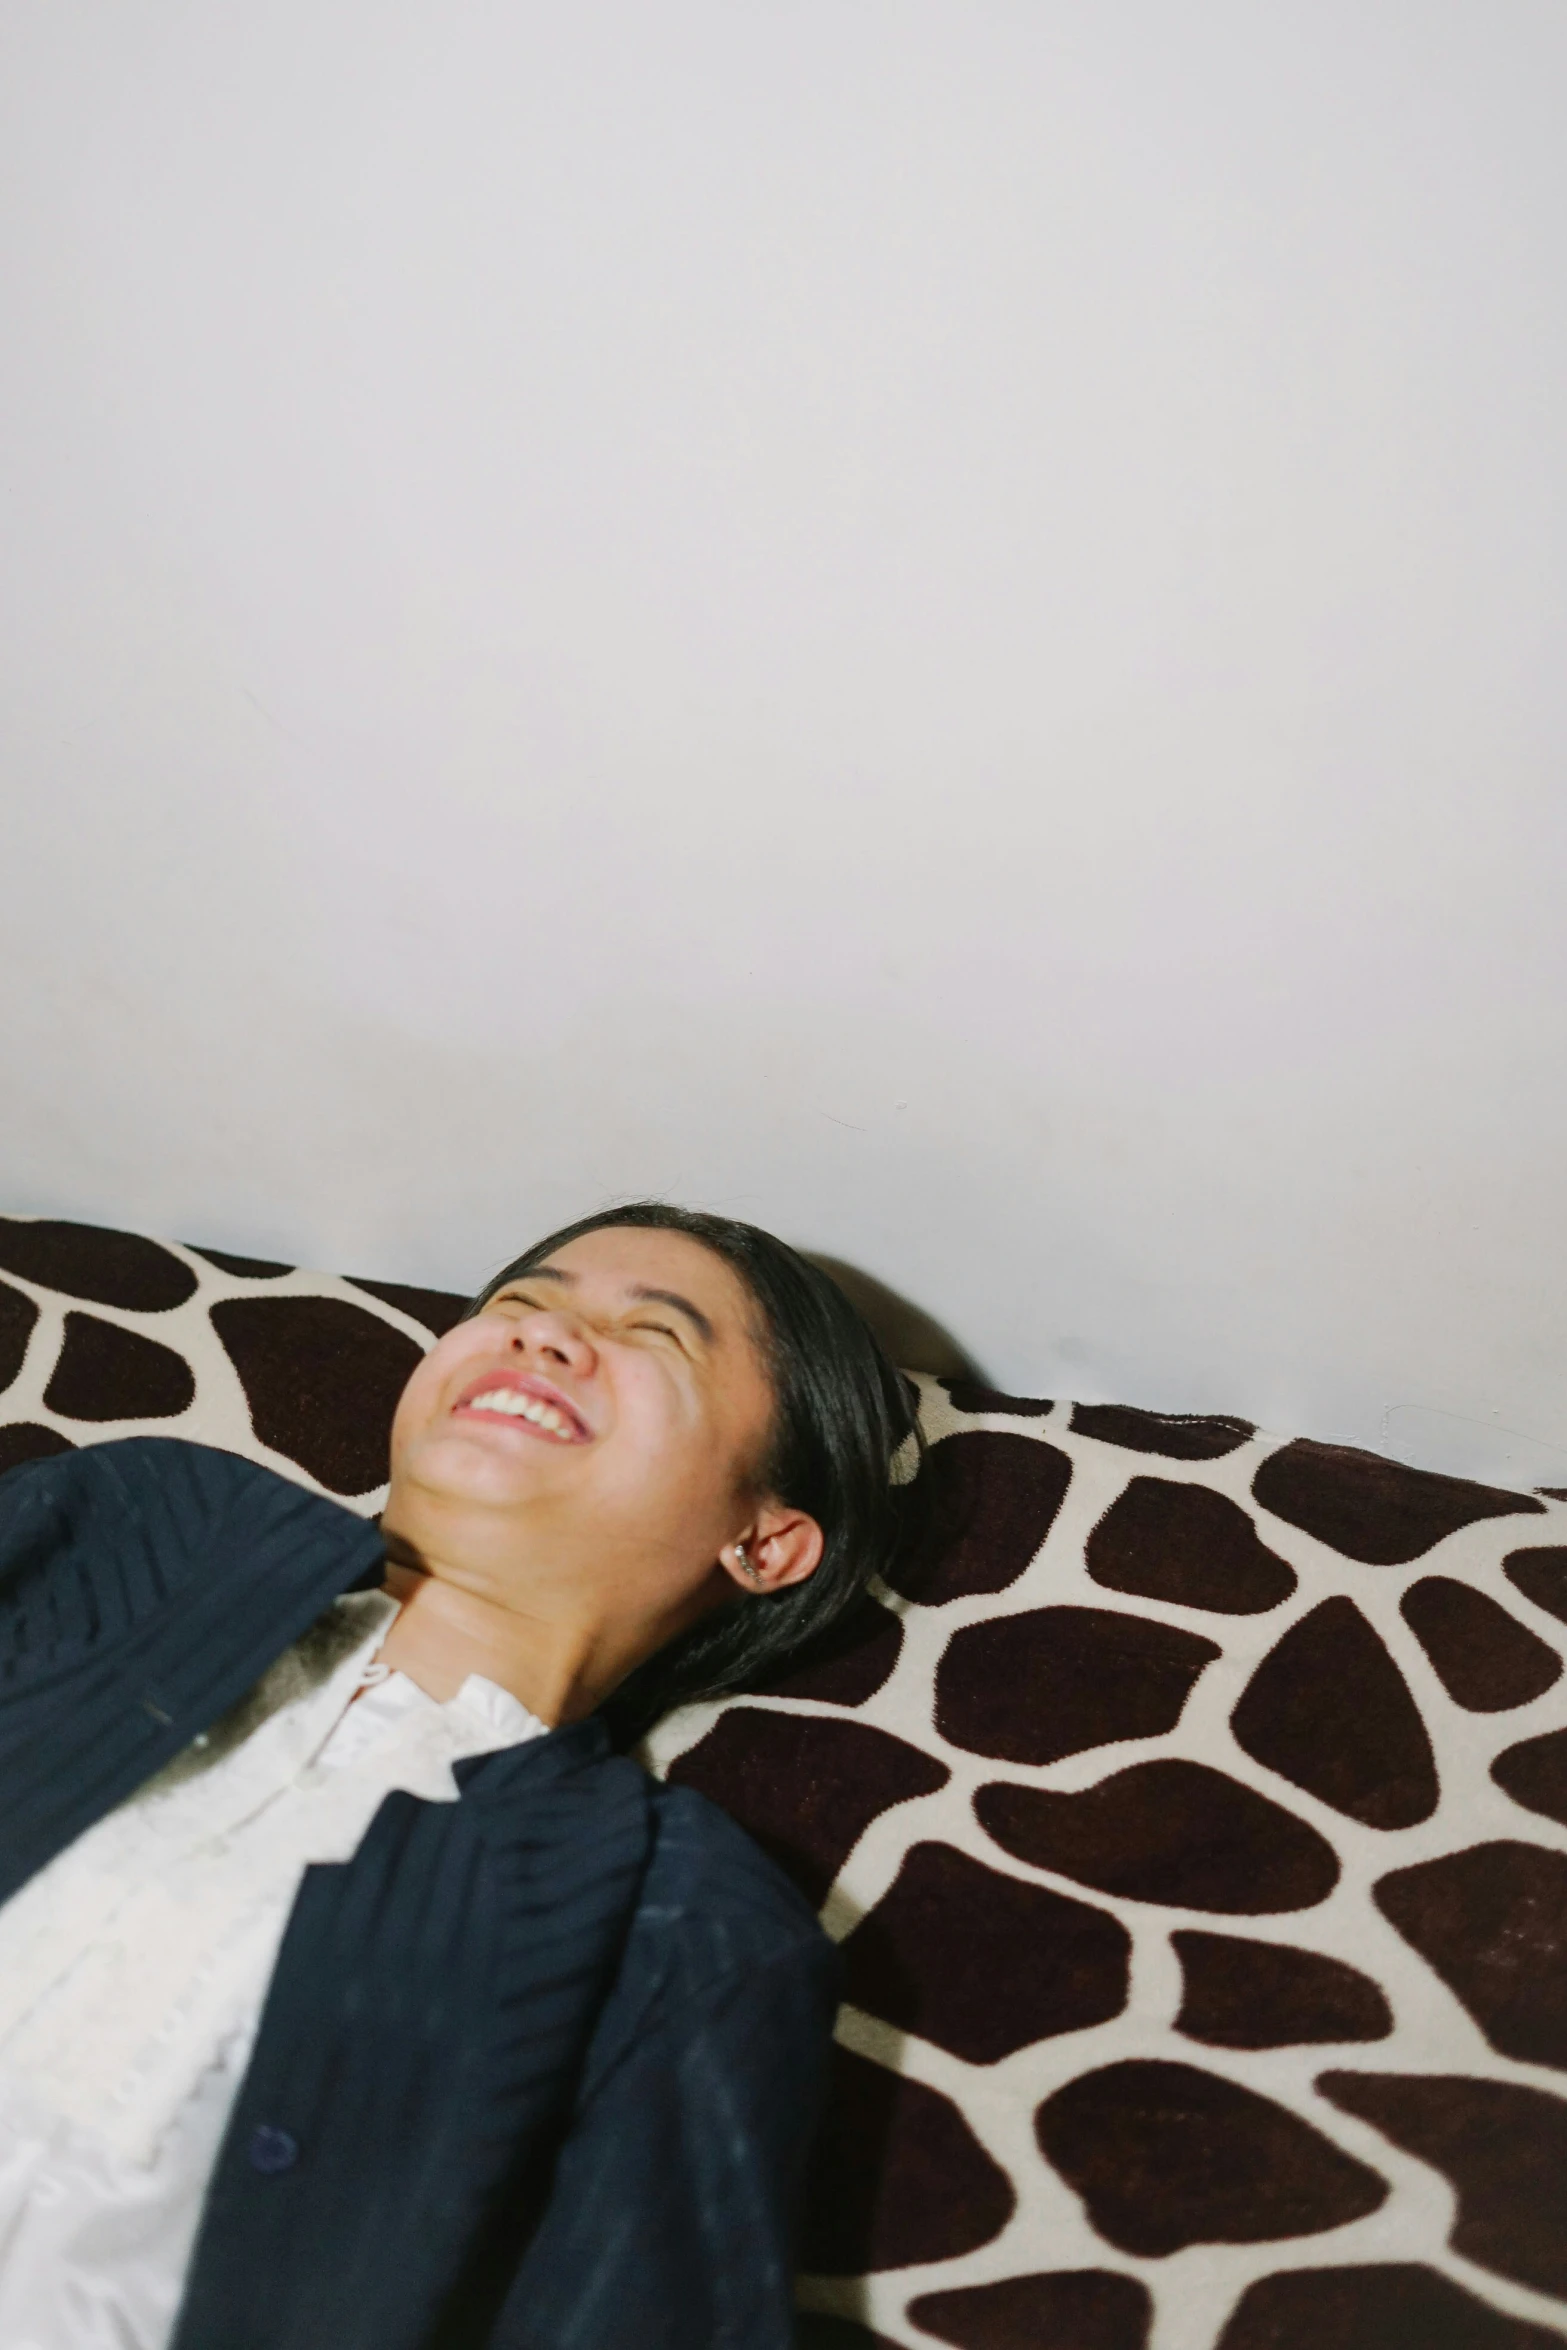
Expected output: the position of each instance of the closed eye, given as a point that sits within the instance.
(534, 1305)
(512, 1300)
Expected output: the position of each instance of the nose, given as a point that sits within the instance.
(551, 1336)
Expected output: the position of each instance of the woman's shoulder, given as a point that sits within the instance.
(140, 1468)
(718, 1932)
(705, 1867)
(193, 1507)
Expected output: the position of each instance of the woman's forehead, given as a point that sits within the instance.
(632, 1259)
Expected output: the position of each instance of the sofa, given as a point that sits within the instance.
(1190, 1806)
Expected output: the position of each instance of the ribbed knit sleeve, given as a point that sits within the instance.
(144, 1587)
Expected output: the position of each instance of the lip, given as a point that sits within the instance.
(522, 1383)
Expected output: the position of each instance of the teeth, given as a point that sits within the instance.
(508, 1402)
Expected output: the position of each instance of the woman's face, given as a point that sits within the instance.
(606, 1413)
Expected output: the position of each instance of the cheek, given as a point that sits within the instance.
(668, 1454)
(659, 1409)
(421, 1400)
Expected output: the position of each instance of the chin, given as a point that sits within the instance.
(463, 1467)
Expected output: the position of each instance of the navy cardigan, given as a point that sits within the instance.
(537, 2069)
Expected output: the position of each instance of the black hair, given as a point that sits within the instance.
(841, 1411)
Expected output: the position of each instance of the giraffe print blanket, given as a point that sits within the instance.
(1191, 1810)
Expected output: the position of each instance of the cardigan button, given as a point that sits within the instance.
(272, 2151)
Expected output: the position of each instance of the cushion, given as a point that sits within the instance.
(1191, 1808)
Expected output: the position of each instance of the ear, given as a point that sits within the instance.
(783, 1545)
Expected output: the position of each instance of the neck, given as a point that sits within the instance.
(443, 1633)
(560, 1646)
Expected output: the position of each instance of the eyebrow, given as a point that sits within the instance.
(639, 1290)
(682, 1305)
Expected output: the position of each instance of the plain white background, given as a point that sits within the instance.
(939, 625)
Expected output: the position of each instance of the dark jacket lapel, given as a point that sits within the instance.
(421, 2044)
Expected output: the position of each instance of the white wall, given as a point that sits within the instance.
(937, 624)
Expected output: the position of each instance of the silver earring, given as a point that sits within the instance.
(746, 1568)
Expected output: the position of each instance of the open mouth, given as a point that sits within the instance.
(530, 1405)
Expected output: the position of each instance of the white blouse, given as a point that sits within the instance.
(134, 1968)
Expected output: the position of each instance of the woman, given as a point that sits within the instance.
(354, 1989)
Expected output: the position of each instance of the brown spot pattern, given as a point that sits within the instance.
(897, 2176)
(1030, 1688)
(1503, 2147)
(18, 1317)
(322, 1380)
(1541, 1575)
(847, 1663)
(1372, 1509)
(1072, 2309)
(971, 1395)
(1493, 1923)
(984, 1502)
(1483, 1657)
(1165, 2155)
(1180, 1436)
(1169, 1831)
(244, 1268)
(25, 1440)
(1391, 2305)
(1249, 1994)
(1329, 1710)
(1534, 1773)
(87, 1261)
(806, 1788)
(981, 1963)
(1186, 1544)
(106, 1373)
(439, 1310)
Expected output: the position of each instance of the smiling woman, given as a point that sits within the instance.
(740, 1419)
(352, 1986)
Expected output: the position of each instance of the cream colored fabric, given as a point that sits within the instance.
(134, 1968)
